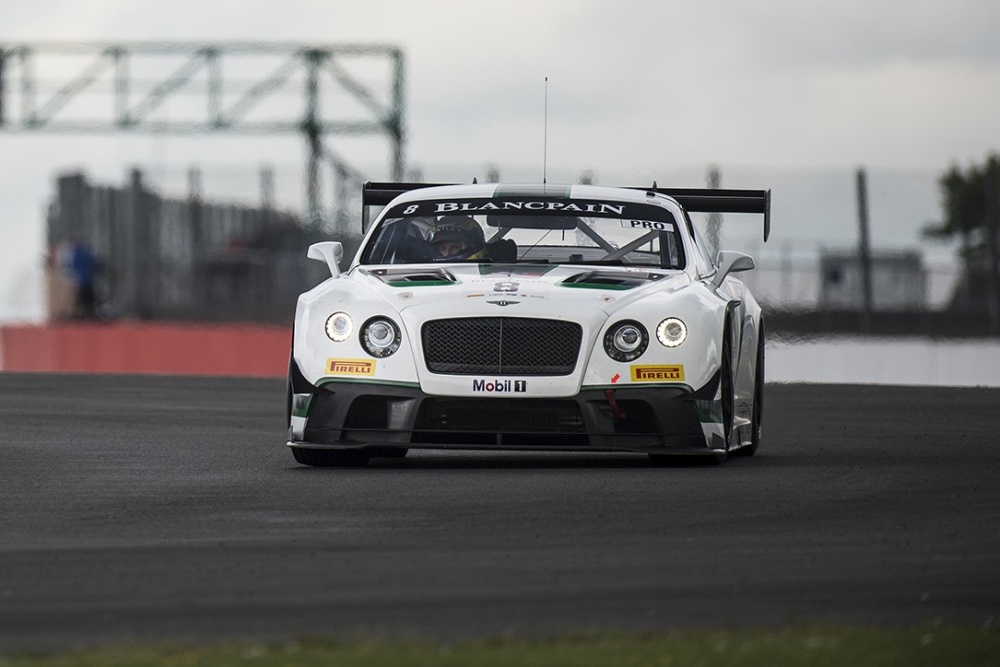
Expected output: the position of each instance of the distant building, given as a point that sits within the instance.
(899, 281)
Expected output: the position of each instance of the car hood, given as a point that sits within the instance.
(453, 290)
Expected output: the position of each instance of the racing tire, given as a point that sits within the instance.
(331, 458)
(684, 460)
(727, 394)
(661, 460)
(390, 452)
(728, 398)
(758, 399)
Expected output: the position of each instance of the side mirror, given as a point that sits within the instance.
(731, 262)
(330, 252)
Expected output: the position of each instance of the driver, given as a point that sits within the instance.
(456, 238)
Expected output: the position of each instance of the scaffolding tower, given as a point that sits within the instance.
(234, 88)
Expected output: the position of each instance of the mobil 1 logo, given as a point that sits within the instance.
(500, 386)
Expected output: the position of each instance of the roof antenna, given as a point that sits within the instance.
(474, 180)
(545, 135)
(654, 185)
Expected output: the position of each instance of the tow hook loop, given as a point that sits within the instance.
(615, 408)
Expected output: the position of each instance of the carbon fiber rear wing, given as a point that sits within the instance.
(704, 200)
(375, 193)
(380, 194)
(696, 200)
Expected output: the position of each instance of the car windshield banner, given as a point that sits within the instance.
(532, 206)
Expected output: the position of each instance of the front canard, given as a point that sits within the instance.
(671, 373)
(350, 367)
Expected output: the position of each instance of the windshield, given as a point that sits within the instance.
(517, 231)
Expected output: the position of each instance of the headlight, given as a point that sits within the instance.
(626, 341)
(339, 327)
(380, 337)
(671, 332)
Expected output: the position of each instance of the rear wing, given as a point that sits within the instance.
(704, 200)
(380, 194)
(696, 200)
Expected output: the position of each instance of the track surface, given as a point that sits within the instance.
(144, 508)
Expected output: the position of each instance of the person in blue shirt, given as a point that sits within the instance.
(81, 267)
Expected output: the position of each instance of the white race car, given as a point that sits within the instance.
(530, 317)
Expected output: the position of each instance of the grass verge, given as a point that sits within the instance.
(835, 646)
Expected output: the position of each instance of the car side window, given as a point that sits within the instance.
(671, 250)
(703, 260)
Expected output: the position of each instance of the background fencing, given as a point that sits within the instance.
(190, 259)
(180, 259)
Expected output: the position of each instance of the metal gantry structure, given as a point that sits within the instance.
(243, 89)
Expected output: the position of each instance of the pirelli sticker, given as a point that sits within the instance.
(350, 367)
(672, 373)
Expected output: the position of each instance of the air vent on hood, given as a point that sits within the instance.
(411, 277)
(616, 280)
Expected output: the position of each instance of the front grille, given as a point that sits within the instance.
(501, 345)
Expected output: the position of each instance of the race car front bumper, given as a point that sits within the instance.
(648, 419)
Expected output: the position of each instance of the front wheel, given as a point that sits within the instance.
(331, 458)
(758, 398)
(684, 460)
(727, 397)
(727, 394)
(390, 452)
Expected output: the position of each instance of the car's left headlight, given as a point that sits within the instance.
(626, 341)
(380, 337)
(671, 332)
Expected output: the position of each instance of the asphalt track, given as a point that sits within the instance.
(166, 508)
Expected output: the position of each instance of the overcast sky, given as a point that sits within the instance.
(635, 87)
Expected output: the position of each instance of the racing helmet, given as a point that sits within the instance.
(458, 237)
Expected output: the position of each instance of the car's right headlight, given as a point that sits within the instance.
(380, 337)
(626, 341)
(339, 327)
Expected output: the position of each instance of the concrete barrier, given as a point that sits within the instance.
(127, 347)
